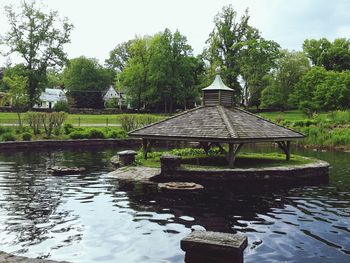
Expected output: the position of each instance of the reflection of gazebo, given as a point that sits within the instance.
(215, 123)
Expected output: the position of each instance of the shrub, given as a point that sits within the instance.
(112, 103)
(132, 122)
(5, 130)
(116, 134)
(68, 128)
(61, 106)
(79, 134)
(96, 134)
(26, 136)
(34, 121)
(8, 137)
(128, 122)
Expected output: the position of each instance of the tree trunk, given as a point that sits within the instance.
(19, 119)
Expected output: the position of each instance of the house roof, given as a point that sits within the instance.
(216, 124)
(52, 95)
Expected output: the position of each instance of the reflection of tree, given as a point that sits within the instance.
(217, 208)
(31, 196)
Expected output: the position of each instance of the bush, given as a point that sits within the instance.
(4, 130)
(112, 103)
(78, 134)
(96, 134)
(7, 137)
(115, 134)
(128, 122)
(132, 122)
(61, 106)
(26, 136)
(68, 128)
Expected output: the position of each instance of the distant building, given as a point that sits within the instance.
(50, 97)
(111, 93)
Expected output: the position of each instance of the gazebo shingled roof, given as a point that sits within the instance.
(218, 121)
(216, 124)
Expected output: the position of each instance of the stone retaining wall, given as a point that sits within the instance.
(70, 143)
(299, 173)
(8, 258)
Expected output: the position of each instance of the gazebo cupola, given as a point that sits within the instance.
(218, 93)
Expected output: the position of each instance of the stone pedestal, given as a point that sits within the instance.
(169, 163)
(126, 157)
(213, 247)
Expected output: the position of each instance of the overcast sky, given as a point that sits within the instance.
(101, 25)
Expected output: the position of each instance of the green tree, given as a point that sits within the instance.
(226, 43)
(119, 56)
(11, 72)
(314, 49)
(173, 70)
(135, 75)
(257, 60)
(86, 74)
(322, 90)
(290, 69)
(38, 38)
(332, 56)
(17, 95)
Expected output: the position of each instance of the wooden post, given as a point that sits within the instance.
(206, 146)
(285, 147)
(232, 153)
(145, 148)
(288, 151)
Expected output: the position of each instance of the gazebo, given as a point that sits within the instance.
(215, 123)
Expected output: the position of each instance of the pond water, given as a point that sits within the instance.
(96, 218)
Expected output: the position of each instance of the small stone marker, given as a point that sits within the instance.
(126, 157)
(213, 247)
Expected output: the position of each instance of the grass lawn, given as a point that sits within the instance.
(195, 159)
(82, 119)
(292, 116)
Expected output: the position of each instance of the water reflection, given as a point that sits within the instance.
(93, 217)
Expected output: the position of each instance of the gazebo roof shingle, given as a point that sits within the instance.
(216, 124)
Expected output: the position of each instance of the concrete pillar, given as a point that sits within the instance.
(213, 247)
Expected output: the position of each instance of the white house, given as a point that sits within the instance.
(50, 97)
(111, 93)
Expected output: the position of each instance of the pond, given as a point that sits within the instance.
(96, 218)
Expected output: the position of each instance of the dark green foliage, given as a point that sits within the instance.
(61, 106)
(79, 134)
(115, 134)
(332, 56)
(38, 37)
(85, 74)
(322, 90)
(87, 99)
(291, 67)
(68, 128)
(8, 136)
(4, 129)
(96, 134)
(26, 136)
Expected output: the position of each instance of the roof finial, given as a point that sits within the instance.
(218, 70)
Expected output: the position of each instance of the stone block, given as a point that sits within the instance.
(213, 247)
(126, 157)
(169, 163)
